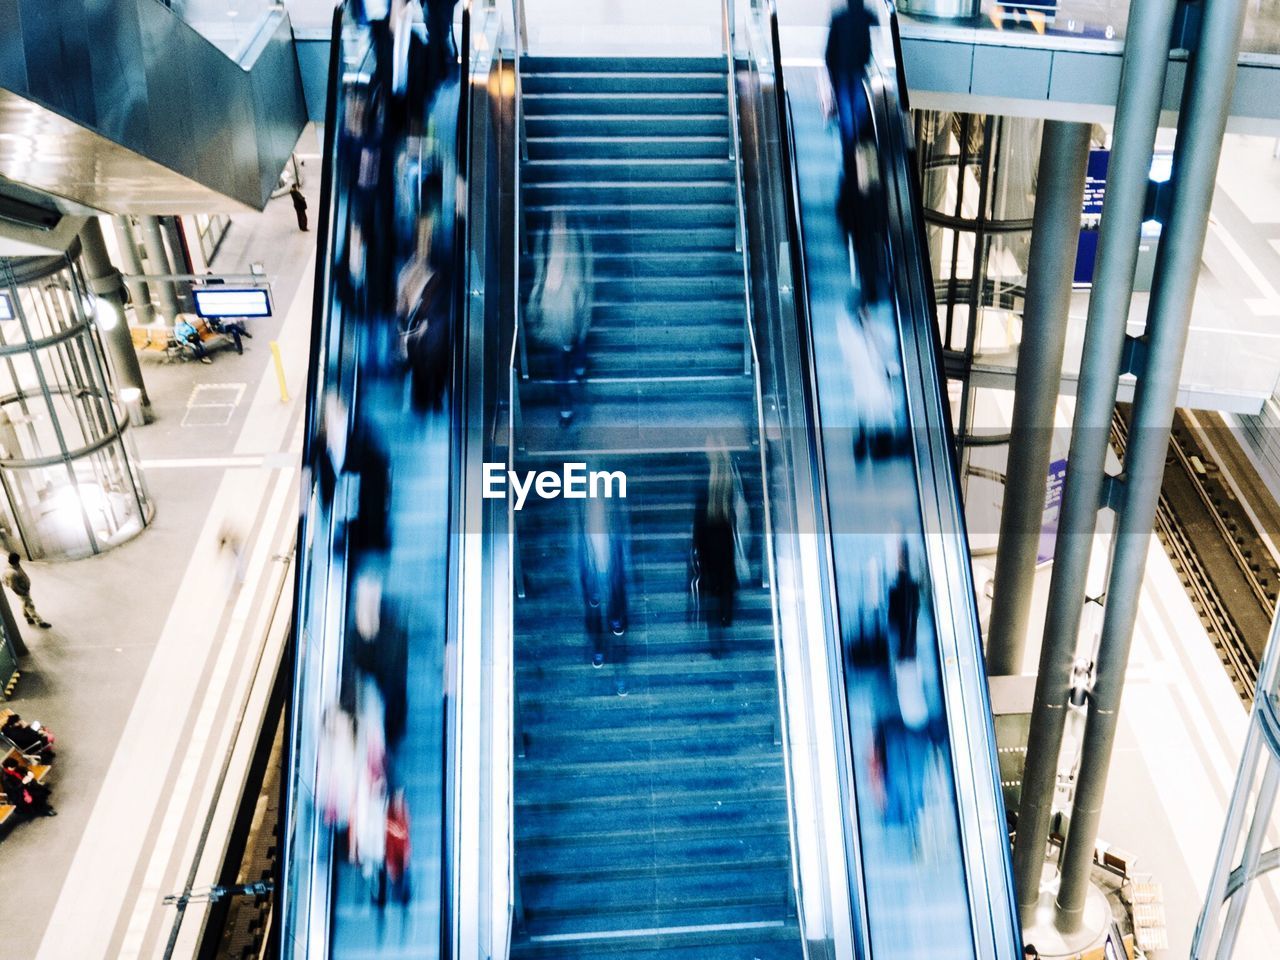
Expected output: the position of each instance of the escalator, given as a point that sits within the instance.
(934, 869)
(737, 712)
(398, 306)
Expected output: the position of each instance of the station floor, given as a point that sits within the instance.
(154, 646)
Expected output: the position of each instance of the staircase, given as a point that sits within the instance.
(636, 153)
(651, 825)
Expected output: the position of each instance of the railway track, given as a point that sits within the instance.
(1220, 559)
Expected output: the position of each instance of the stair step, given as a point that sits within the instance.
(758, 940)
(593, 195)
(666, 144)
(624, 66)
(626, 125)
(645, 241)
(626, 265)
(627, 169)
(762, 891)
(643, 740)
(660, 313)
(626, 103)
(559, 81)
(668, 217)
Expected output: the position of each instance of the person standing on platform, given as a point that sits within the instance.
(16, 579)
(299, 206)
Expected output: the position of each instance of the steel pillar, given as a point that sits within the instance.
(139, 295)
(1064, 155)
(158, 265)
(1202, 122)
(105, 281)
(1146, 55)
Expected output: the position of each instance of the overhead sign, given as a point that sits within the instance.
(6, 306)
(219, 301)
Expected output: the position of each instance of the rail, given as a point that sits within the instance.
(1230, 644)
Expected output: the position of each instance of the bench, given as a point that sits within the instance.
(159, 338)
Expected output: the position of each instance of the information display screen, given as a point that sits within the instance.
(6, 308)
(221, 301)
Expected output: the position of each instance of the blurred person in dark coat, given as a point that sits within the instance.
(715, 550)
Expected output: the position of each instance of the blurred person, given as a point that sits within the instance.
(395, 873)
(367, 844)
(560, 303)
(336, 768)
(16, 579)
(442, 52)
(231, 540)
(368, 834)
(368, 605)
(403, 15)
(185, 333)
(848, 55)
(31, 738)
(858, 204)
(714, 549)
(299, 206)
(332, 442)
(904, 617)
(873, 397)
(233, 327)
(382, 652)
(602, 572)
(24, 791)
(428, 343)
(368, 460)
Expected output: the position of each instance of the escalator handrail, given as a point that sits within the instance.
(457, 431)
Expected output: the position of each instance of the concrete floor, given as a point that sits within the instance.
(154, 602)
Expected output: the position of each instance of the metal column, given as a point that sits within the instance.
(139, 295)
(105, 281)
(1202, 123)
(1064, 155)
(158, 265)
(1146, 55)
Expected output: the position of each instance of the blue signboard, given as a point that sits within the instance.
(1053, 484)
(1095, 189)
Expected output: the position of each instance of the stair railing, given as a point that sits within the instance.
(520, 40)
(735, 157)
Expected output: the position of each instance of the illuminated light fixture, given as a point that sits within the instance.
(105, 313)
